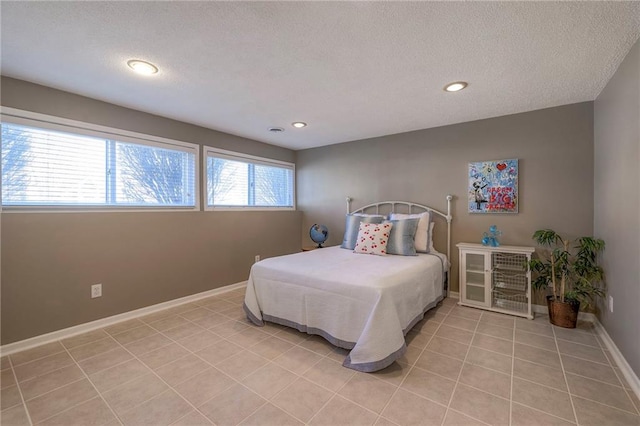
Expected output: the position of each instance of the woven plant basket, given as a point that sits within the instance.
(563, 314)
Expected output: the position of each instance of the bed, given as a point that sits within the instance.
(359, 302)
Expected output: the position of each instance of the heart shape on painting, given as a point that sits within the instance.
(501, 166)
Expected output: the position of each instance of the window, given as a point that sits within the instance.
(243, 181)
(45, 167)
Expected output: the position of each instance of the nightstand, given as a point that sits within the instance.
(309, 248)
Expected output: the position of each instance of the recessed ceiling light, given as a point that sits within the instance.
(142, 67)
(276, 129)
(299, 124)
(455, 86)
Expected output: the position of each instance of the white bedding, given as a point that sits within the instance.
(361, 302)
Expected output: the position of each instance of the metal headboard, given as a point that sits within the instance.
(411, 207)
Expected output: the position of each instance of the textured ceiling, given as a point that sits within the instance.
(352, 70)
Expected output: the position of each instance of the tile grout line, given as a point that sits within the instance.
(392, 395)
(606, 405)
(557, 353)
(544, 412)
(564, 375)
(86, 376)
(513, 362)
(613, 367)
(563, 391)
(160, 378)
(36, 359)
(413, 365)
(455, 387)
(418, 357)
(24, 404)
(466, 415)
(335, 393)
(540, 384)
(142, 323)
(163, 381)
(474, 333)
(54, 389)
(585, 359)
(300, 376)
(494, 337)
(568, 391)
(77, 405)
(578, 343)
(189, 413)
(595, 380)
(190, 352)
(239, 382)
(40, 375)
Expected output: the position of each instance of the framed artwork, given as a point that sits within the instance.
(493, 186)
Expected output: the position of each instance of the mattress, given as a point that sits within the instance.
(360, 302)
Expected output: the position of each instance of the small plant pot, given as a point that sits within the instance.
(563, 314)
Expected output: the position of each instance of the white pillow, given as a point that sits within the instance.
(423, 239)
(373, 238)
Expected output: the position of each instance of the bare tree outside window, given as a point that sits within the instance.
(243, 183)
(219, 186)
(272, 186)
(154, 176)
(45, 167)
(15, 157)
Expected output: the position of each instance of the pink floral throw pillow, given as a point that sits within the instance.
(373, 238)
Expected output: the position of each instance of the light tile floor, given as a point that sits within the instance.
(202, 363)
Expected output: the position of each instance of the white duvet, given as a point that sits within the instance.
(361, 302)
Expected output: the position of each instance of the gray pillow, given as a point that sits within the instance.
(352, 227)
(402, 237)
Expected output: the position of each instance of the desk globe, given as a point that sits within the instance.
(318, 234)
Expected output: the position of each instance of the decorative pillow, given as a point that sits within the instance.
(373, 238)
(431, 249)
(352, 227)
(402, 237)
(423, 234)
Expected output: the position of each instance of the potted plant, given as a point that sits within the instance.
(570, 268)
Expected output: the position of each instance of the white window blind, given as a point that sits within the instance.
(44, 167)
(244, 181)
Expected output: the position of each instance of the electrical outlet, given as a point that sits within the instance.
(96, 291)
(257, 258)
(611, 304)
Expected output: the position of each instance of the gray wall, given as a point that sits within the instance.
(554, 146)
(617, 201)
(49, 260)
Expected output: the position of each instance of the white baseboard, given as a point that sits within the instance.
(619, 359)
(454, 295)
(65, 333)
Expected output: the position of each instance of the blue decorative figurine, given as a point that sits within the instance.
(491, 238)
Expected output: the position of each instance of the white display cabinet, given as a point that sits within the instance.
(496, 278)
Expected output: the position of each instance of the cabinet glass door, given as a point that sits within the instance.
(475, 277)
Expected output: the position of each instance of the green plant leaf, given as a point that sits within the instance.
(576, 261)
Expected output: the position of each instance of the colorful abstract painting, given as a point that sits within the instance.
(493, 186)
